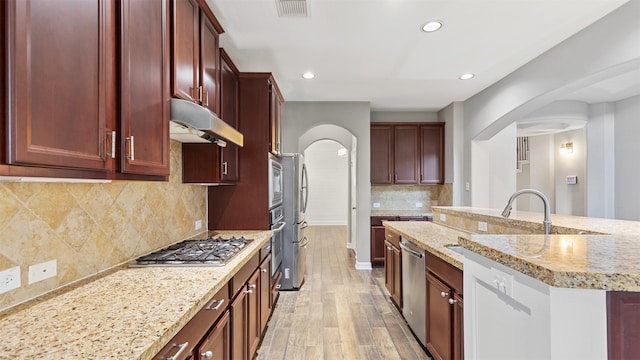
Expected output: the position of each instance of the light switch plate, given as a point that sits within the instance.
(482, 226)
(198, 224)
(9, 279)
(418, 204)
(443, 217)
(376, 205)
(42, 271)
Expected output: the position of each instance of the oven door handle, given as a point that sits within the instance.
(281, 226)
(304, 225)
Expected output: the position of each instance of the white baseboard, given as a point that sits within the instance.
(363, 265)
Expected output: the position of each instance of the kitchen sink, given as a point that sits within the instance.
(455, 248)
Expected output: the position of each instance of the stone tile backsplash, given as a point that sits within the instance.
(405, 197)
(89, 228)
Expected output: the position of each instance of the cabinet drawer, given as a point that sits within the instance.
(186, 339)
(377, 220)
(445, 271)
(392, 237)
(265, 251)
(241, 277)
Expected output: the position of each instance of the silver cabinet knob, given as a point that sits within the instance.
(264, 270)
(207, 354)
(452, 301)
(252, 286)
(444, 294)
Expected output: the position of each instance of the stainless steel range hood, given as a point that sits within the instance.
(192, 123)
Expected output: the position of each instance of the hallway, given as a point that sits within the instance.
(340, 313)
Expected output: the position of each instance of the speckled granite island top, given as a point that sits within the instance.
(129, 314)
(432, 237)
(607, 262)
(408, 213)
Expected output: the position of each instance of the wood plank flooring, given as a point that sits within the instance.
(340, 312)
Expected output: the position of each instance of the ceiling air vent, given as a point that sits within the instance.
(292, 8)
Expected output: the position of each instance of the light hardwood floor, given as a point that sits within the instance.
(340, 312)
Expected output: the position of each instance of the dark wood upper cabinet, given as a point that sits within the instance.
(407, 153)
(229, 113)
(144, 119)
(432, 154)
(61, 83)
(196, 60)
(406, 156)
(275, 120)
(381, 154)
(186, 50)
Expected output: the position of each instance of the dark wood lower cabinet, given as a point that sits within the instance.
(265, 292)
(623, 324)
(253, 314)
(238, 326)
(445, 324)
(216, 346)
(393, 267)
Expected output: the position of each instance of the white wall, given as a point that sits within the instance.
(328, 183)
(627, 148)
(453, 117)
(300, 117)
(606, 48)
(571, 199)
(542, 171)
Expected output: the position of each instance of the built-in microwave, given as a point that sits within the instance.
(275, 181)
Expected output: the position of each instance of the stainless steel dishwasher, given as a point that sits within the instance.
(414, 289)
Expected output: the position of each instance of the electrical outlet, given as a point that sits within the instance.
(9, 279)
(443, 217)
(482, 226)
(418, 204)
(198, 224)
(42, 271)
(376, 205)
(467, 186)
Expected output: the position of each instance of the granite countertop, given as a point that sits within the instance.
(129, 314)
(607, 262)
(400, 213)
(431, 237)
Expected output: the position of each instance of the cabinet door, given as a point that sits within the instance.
(186, 50)
(439, 319)
(238, 312)
(623, 320)
(253, 313)
(406, 154)
(216, 344)
(61, 83)
(396, 296)
(210, 65)
(458, 327)
(432, 154)
(377, 245)
(388, 267)
(381, 154)
(265, 293)
(144, 87)
(229, 113)
(275, 120)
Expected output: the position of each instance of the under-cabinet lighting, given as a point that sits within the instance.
(566, 148)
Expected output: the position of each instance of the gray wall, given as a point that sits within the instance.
(300, 117)
(606, 48)
(627, 145)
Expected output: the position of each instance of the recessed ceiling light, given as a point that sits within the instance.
(432, 26)
(308, 75)
(466, 76)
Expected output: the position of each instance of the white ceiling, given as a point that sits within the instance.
(373, 50)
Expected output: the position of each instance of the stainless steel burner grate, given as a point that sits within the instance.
(213, 251)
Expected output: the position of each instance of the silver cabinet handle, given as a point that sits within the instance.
(181, 348)
(452, 301)
(206, 98)
(224, 168)
(444, 294)
(113, 144)
(132, 147)
(207, 354)
(200, 90)
(217, 307)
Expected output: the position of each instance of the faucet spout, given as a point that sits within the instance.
(547, 216)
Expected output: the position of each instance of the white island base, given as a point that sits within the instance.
(509, 315)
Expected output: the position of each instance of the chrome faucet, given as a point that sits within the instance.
(547, 217)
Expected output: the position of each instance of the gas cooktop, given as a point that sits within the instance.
(213, 251)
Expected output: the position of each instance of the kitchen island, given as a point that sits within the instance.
(556, 296)
(130, 313)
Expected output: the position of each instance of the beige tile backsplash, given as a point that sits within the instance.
(89, 228)
(405, 197)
